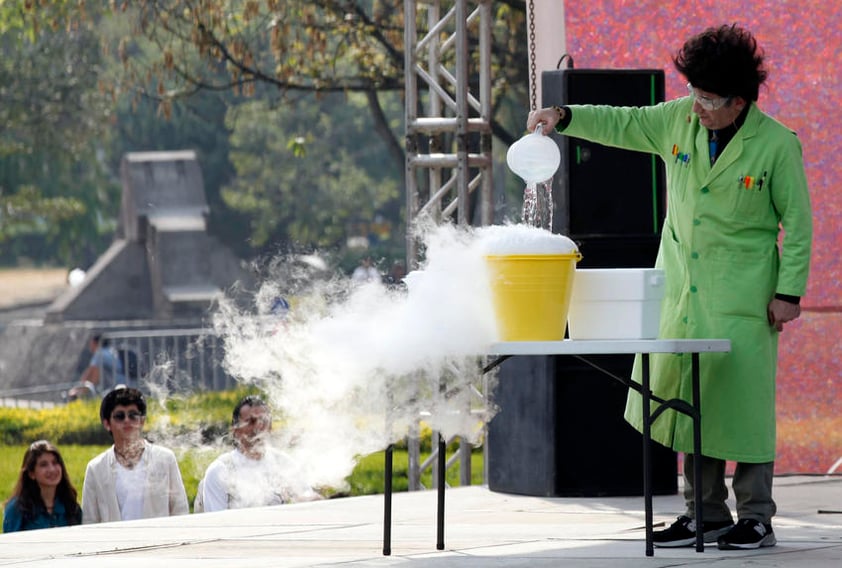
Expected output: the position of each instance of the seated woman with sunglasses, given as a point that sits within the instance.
(133, 479)
(43, 497)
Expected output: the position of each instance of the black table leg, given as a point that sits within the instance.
(697, 454)
(442, 467)
(647, 441)
(387, 503)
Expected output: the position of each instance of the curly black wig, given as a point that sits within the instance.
(725, 60)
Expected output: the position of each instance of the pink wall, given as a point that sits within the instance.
(804, 91)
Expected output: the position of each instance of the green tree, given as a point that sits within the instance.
(301, 172)
(55, 195)
(277, 51)
(293, 45)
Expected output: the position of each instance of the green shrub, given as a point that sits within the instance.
(15, 421)
(208, 413)
(78, 422)
(74, 423)
(369, 474)
(76, 430)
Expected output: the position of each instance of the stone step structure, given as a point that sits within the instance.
(163, 271)
(163, 263)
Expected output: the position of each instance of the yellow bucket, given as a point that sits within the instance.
(531, 294)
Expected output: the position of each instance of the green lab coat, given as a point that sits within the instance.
(722, 265)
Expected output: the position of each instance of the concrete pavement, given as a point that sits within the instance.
(482, 529)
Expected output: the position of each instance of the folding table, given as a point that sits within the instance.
(644, 347)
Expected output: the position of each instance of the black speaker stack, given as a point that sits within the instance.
(612, 202)
(560, 430)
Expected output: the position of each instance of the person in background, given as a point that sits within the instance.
(366, 271)
(396, 274)
(735, 186)
(133, 479)
(43, 496)
(253, 474)
(104, 371)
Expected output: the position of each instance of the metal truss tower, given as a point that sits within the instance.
(448, 128)
(447, 47)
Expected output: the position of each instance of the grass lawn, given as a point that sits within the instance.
(76, 431)
(366, 479)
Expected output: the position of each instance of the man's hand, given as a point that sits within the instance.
(548, 116)
(780, 312)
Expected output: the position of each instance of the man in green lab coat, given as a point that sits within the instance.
(735, 184)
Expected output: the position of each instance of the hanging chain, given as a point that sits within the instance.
(533, 77)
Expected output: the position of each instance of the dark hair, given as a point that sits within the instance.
(97, 338)
(725, 60)
(28, 492)
(251, 400)
(121, 396)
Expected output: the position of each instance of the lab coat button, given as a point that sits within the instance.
(694, 255)
(705, 190)
(694, 289)
(697, 222)
(684, 319)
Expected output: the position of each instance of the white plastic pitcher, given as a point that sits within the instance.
(534, 158)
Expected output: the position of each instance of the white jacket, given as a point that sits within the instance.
(163, 492)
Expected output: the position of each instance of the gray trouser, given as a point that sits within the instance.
(752, 487)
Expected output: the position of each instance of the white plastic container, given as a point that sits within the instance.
(616, 303)
(535, 157)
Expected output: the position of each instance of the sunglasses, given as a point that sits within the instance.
(132, 416)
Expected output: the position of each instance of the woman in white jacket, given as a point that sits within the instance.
(133, 479)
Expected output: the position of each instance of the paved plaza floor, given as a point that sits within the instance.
(483, 529)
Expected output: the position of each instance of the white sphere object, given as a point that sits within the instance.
(76, 277)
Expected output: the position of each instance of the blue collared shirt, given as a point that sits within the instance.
(13, 519)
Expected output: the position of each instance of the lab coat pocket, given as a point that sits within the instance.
(741, 282)
(750, 199)
(672, 259)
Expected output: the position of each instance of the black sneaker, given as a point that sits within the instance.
(747, 534)
(683, 532)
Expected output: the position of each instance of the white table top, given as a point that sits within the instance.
(609, 346)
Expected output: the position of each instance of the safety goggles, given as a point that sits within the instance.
(707, 103)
